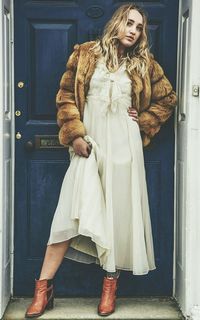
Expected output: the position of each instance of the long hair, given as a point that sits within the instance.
(137, 56)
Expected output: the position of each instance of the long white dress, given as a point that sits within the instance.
(103, 204)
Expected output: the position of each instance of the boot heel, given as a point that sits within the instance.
(50, 304)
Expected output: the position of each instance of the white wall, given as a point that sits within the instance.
(1, 153)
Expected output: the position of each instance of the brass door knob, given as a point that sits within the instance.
(20, 84)
(18, 113)
(18, 135)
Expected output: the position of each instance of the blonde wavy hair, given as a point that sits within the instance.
(137, 56)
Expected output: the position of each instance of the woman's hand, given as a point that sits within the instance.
(133, 113)
(81, 147)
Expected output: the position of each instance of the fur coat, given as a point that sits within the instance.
(152, 96)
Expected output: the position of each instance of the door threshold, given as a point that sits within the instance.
(127, 308)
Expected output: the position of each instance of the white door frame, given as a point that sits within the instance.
(187, 254)
(185, 288)
(6, 156)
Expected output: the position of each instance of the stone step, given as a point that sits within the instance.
(86, 309)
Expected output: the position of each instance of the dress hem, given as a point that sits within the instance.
(123, 269)
(97, 259)
(99, 245)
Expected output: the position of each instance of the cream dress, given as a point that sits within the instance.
(103, 203)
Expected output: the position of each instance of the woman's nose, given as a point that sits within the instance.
(133, 30)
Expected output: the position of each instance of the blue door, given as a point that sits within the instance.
(45, 33)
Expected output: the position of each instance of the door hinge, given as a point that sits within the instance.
(195, 91)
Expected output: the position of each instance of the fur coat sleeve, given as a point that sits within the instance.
(68, 115)
(162, 105)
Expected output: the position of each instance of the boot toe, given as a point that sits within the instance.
(105, 310)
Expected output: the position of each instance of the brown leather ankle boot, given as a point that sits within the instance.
(43, 298)
(108, 297)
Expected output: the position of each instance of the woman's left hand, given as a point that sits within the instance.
(132, 112)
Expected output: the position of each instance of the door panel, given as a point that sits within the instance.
(45, 33)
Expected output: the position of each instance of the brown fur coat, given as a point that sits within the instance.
(152, 96)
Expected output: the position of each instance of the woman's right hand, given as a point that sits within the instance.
(133, 113)
(81, 147)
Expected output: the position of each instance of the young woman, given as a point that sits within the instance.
(113, 99)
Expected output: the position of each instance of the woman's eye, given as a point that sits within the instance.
(129, 23)
(139, 28)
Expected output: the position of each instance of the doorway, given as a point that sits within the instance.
(45, 33)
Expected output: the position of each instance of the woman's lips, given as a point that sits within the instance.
(130, 38)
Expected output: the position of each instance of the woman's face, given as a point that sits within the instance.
(133, 29)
